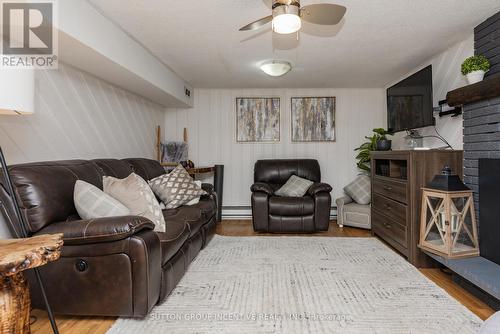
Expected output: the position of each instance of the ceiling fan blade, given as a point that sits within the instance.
(324, 14)
(257, 24)
(257, 34)
(321, 30)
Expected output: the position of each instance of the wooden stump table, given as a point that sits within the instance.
(17, 255)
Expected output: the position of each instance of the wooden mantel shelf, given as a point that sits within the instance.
(487, 89)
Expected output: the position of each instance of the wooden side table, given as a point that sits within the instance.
(218, 172)
(17, 255)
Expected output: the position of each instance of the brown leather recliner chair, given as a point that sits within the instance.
(271, 213)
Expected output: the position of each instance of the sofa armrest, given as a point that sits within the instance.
(262, 187)
(260, 211)
(79, 232)
(319, 187)
(341, 202)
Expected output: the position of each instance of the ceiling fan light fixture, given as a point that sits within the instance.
(276, 68)
(286, 19)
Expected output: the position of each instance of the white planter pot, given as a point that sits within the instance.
(474, 77)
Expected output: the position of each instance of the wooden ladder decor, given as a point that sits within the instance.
(158, 145)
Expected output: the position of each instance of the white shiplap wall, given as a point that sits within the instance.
(78, 116)
(212, 135)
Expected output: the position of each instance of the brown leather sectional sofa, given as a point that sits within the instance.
(111, 266)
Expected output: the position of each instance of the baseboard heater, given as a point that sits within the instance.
(245, 212)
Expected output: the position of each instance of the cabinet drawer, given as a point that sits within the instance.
(393, 189)
(390, 231)
(390, 208)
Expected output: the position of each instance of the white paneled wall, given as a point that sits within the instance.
(79, 116)
(446, 76)
(212, 135)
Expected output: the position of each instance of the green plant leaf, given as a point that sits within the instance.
(364, 167)
(363, 154)
(363, 157)
(366, 146)
(475, 63)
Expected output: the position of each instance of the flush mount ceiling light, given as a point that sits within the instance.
(276, 68)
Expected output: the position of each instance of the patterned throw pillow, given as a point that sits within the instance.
(91, 202)
(176, 188)
(195, 200)
(294, 187)
(360, 190)
(136, 195)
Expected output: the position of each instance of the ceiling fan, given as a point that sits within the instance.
(287, 16)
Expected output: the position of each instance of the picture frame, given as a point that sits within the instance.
(258, 119)
(313, 119)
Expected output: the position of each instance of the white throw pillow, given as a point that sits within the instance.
(294, 187)
(136, 195)
(91, 202)
(176, 188)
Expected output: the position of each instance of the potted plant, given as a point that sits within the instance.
(383, 144)
(377, 142)
(474, 68)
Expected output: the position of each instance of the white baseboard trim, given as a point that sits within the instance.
(245, 212)
(236, 212)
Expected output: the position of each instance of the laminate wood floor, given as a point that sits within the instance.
(98, 325)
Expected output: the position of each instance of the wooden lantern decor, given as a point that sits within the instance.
(448, 221)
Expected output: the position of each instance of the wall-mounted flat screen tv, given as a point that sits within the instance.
(410, 102)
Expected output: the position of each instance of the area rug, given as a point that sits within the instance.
(303, 285)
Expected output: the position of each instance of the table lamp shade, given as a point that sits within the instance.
(17, 91)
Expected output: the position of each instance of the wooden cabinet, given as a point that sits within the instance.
(397, 180)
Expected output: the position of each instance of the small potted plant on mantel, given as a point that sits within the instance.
(474, 68)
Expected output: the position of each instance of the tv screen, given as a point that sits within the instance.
(410, 102)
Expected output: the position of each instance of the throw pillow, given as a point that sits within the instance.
(294, 187)
(91, 202)
(136, 195)
(359, 190)
(195, 200)
(176, 188)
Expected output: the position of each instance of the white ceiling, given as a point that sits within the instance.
(376, 43)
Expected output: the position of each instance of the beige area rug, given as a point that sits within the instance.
(303, 285)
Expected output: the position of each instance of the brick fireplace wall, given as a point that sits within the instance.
(481, 139)
(487, 42)
(482, 119)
